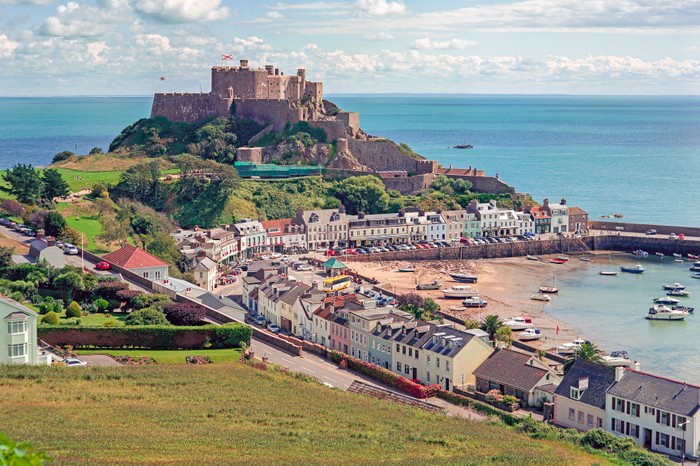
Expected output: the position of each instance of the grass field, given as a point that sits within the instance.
(79, 180)
(19, 248)
(235, 414)
(219, 356)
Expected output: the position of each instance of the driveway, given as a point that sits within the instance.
(99, 360)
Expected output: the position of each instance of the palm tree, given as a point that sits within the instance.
(587, 352)
(490, 324)
(504, 335)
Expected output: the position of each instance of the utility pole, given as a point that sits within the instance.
(682, 426)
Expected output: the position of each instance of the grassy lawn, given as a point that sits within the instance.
(98, 319)
(87, 224)
(78, 180)
(235, 414)
(219, 356)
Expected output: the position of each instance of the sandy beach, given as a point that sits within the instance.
(506, 284)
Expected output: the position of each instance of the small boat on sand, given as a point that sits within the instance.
(518, 323)
(464, 277)
(570, 348)
(408, 268)
(540, 297)
(530, 334)
(474, 301)
(459, 291)
(532, 258)
(435, 285)
(585, 258)
(556, 260)
(617, 358)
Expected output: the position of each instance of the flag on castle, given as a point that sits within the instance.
(226, 57)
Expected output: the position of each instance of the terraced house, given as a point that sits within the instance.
(325, 228)
(378, 229)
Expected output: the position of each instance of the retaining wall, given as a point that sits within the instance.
(642, 227)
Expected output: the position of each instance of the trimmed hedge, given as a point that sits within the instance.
(384, 376)
(149, 336)
(483, 408)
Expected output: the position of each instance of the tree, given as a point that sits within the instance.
(470, 324)
(73, 310)
(53, 185)
(212, 141)
(365, 194)
(102, 304)
(13, 208)
(504, 335)
(184, 313)
(54, 223)
(114, 231)
(490, 324)
(24, 183)
(69, 283)
(51, 318)
(6, 256)
(95, 150)
(147, 316)
(588, 352)
(20, 453)
(142, 183)
(61, 156)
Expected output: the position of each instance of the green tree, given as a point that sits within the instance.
(588, 352)
(24, 183)
(61, 156)
(470, 324)
(213, 141)
(19, 454)
(114, 231)
(504, 335)
(74, 310)
(102, 304)
(6, 256)
(142, 183)
(365, 194)
(95, 150)
(147, 316)
(54, 224)
(69, 283)
(53, 185)
(51, 318)
(490, 324)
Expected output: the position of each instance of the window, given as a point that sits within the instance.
(589, 420)
(663, 439)
(447, 365)
(427, 377)
(572, 414)
(634, 430)
(437, 362)
(15, 327)
(416, 354)
(599, 422)
(580, 417)
(145, 275)
(575, 393)
(410, 351)
(16, 351)
(428, 359)
(398, 348)
(157, 274)
(398, 366)
(406, 368)
(634, 409)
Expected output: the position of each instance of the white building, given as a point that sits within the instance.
(18, 338)
(560, 215)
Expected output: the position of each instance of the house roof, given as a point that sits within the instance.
(217, 302)
(36, 247)
(203, 263)
(600, 377)
(660, 392)
(131, 257)
(278, 225)
(510, 368)
(334, 263)
(447, 341)
(18, 308)
(294, 293)
(577, 211)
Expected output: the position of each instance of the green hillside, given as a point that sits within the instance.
(235, 414)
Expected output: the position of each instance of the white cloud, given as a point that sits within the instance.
(380, 7)
(274, 15)
(381, 35)
(26, 2)
(7, 46)
(427, 43)
(180, 11)
(75, 20)
(315, 6)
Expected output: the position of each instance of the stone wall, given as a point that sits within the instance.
(486, 184)
(276, 112)
(382, 154)
(189, 107)
(642, 227)
(409, 185)
(334, 129)
(249, 154)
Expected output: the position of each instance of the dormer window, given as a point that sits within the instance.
(313, 218)
(575, 393)
(335, 217)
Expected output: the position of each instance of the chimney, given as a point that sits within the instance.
(402, 212)
(563, 201)
(269, 69)
(201, 253)
(360, 215)
(244, 64)
(619, 373)
(421, 213)
(545, 204)
(50, 240)
(341, 209)
(636, 365)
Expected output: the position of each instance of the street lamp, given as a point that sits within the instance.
(682, 427)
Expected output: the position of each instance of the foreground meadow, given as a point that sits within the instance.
(235, 414)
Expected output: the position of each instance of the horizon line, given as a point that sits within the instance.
(343, 94)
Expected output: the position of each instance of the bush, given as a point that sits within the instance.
(51, 318)
(198, 360)
(37, 299)
(109, 289)
(102, 304)
(231, 335)
(88, 307)
(20, 454)
(148, 316)
(109, 323)
(114, 304)
(148, 300)
(184, 313)
(73, 310)
(61, 156)
(51, 305)
(509, 399)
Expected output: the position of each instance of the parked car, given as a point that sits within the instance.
(650, 231)
(29, 232)
(70, 249)
(4, 221)
(74, 362)
(102, 265)
(59, 244)
(274, 328)
(672, 236)
(260, 320)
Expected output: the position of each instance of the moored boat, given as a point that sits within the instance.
(408, 268)
(640, 253)
(636, 269)
(570, 348)
(530, 334)
(474, 301)
(682, 293)
(459, 292)
(661, 312)
(675, 254)
(549, 289)
(518, 323)
(608, 272)
(464, 277)
(695, 275)
(695, 268)
(666, 300)
(687, 309)
(693, 256)
(674, 286)
(660, 254)
(585, 258)
(435, 285)
(617, 358)
(532, 258)
(556, 260)
(540, 297)
(562, 258)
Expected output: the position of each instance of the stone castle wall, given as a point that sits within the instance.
(409, 185)
(276, 112)
(189, 107)
(383, 155)
(486, 184)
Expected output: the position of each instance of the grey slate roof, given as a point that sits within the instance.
(217, 302)
(295, 292)
(659, 392)
(203, 263)
(600, 377)
(36, 247)
(447, 341)
(510, 368)
(416, 334)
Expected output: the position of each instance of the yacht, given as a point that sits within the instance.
(518, 323)
(570, 348)
(617, 358)
(661, 312)
(464, 277)
(675, 286)
(666, 300)
(683, 293)
(549, 289)
(474, 301)
(460, 292)
(530, 334)
(636, 269)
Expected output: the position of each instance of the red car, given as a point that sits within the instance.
(102, 265)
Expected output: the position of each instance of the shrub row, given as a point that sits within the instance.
(230, 335)
(384, 375)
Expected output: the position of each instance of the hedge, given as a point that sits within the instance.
(149, 336)
(385, 376)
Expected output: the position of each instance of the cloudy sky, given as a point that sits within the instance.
(111, 47)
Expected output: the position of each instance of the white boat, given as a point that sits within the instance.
(540, 297)
(695, 275)
(617, 358)
(474, 301)
(570, 348)
(530, 334)
(518, 323)
(459, 292)
(608, 273)
(549, 289)
(675, 254)
(678, 260)
(532, 258)
(683, 293)
(585, 258)
(675, 286)
(661, 312)
(408, 268)
(660, 254)
(666, 300)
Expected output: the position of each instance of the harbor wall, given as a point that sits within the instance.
(642, 227)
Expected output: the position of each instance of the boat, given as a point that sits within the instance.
(683, 293)
(636, 269)
(607, 272)
(675, 286)
(640, 253)
(660, 254)
(695, 268)
(562, 258)
(532, 258)
(585, 258)
(687, 309)
(459, 292)
(570, 348)
(530, 334)
(540, 297)
(463, 277)
(474, 301)
(693, 256)
(661, 312)
(518, 323)
(408, 268)
(678, 260)
(666, 300)
(556, 260)
(675, 254)
(549, 289)
(617, 358)
(435, 285)
(695, 275)
(457, 308)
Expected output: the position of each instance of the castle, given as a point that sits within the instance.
(273, 99)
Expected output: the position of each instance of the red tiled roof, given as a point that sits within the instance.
(576, 211)
(131, 257)
(276, 224)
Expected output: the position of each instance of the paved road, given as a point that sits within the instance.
(99, 360)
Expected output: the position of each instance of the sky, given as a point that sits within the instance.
(138, 47)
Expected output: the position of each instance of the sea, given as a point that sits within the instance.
(638, 156)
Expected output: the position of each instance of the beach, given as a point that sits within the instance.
(506, 284)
